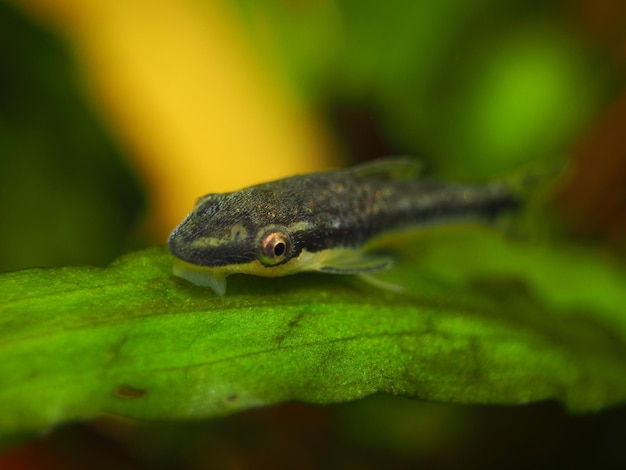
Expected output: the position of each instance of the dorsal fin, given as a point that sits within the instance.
(394, 168)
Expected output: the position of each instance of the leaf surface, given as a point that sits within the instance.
(483, 320)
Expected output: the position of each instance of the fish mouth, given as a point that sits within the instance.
(208, 252)
(185, 251)
(183, 243)
(177, 246)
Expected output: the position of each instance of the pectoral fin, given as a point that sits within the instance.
(354, 263)
(200, 276)
(388, 286)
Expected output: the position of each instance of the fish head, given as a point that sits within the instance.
(232, 233)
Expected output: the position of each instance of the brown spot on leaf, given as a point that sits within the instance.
(126, 391)
(232, 398)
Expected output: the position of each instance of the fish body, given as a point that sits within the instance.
(320, 221)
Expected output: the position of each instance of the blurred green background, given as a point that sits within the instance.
(476, 90)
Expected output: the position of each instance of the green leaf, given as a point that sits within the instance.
(483, 320)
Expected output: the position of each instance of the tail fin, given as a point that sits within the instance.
(534, 187)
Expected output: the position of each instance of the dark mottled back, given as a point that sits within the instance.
(326, 210)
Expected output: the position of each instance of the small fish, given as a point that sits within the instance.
(320, 221)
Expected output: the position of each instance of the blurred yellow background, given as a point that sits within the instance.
(194, 108)
(199, 96)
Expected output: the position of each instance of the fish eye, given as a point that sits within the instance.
(274, 248)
